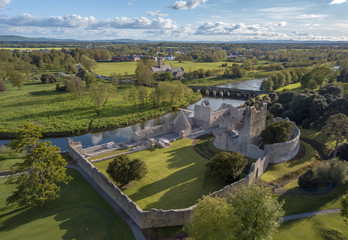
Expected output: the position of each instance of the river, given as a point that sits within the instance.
(125, 133)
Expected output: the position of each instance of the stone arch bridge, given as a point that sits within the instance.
(226, 92)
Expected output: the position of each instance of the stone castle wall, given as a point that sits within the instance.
(281, 152)
(154, 218)
(144, 219)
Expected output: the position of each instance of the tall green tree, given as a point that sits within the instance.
(26, 138)
(213, 218)
(16, 78)
(87, 62)
(76, 86)
(257, 211)
(39, 175)
(276, 132)
(144, 73)
(251, 212)
(100, 92)
(336, 128)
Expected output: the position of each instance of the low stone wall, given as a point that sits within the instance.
(281, 152)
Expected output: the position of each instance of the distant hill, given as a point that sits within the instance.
(14, 38)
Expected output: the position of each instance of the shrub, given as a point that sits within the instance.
(227, 166)
(308, 180)
(342, 151)
(277, 132)
(332, 171)
(276, 109)
(47, 78)
(306, 124)
(122, 170)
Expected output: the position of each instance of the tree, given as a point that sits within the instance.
(308, 180)
(332, 171)
(41, 172)
(336, 128)
(87, 62)
(100, 92)
(344, 203)
(144, 73)
(213, 218)
(276, 132)
(122, 170)
(257, 211)
(26, 138)
(114, 79)
(251, 212)
(16, 78)
(227, 166)
(342, 151)
(75, 86)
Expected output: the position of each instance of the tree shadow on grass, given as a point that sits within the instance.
(182, 157)
(80, 213)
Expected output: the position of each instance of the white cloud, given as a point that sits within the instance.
(333, 2)
(221, 28)
(156, 13)
(4, 3)
(184, 5)
(68, 21)
(310, 16)
(76, 21)
(134, 23)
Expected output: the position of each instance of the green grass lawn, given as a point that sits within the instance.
(312, 228)
(59, 112)
(108, 154)
(176, 177)
(276, 171)
(106, 68)
(80, 213)
(303, 203)
(318, 136)
(6, 164)
(293, 87)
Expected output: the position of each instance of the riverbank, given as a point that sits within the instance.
(59, 114)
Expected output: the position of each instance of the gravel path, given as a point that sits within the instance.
(309, 214)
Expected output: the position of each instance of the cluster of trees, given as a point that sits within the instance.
(172, 93)
(306, 108)
(123, 170)
(327, 172)
(235, 72)
(37, 179)
(249, 213)
(283, 78)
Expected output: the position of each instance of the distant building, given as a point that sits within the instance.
(169, 58)
(161, 68)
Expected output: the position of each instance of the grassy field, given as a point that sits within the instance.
(59, 113)
(312, 228)
(318, 136)
(23, 49)
(80, 213)
(292, 87)
(108, 154)
(295, 204)
(276, 171)
(6, 164)
(106, 68)
(176, 177)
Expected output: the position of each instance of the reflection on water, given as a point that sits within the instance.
(125, 133)
(246, 85)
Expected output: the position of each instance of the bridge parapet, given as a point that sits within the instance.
(227, 92)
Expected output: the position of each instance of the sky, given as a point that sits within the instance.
(171, 20)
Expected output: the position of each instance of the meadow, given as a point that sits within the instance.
(80, 213)
(59, 113)
(106, 68)
(176, 177)
(312, 228)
